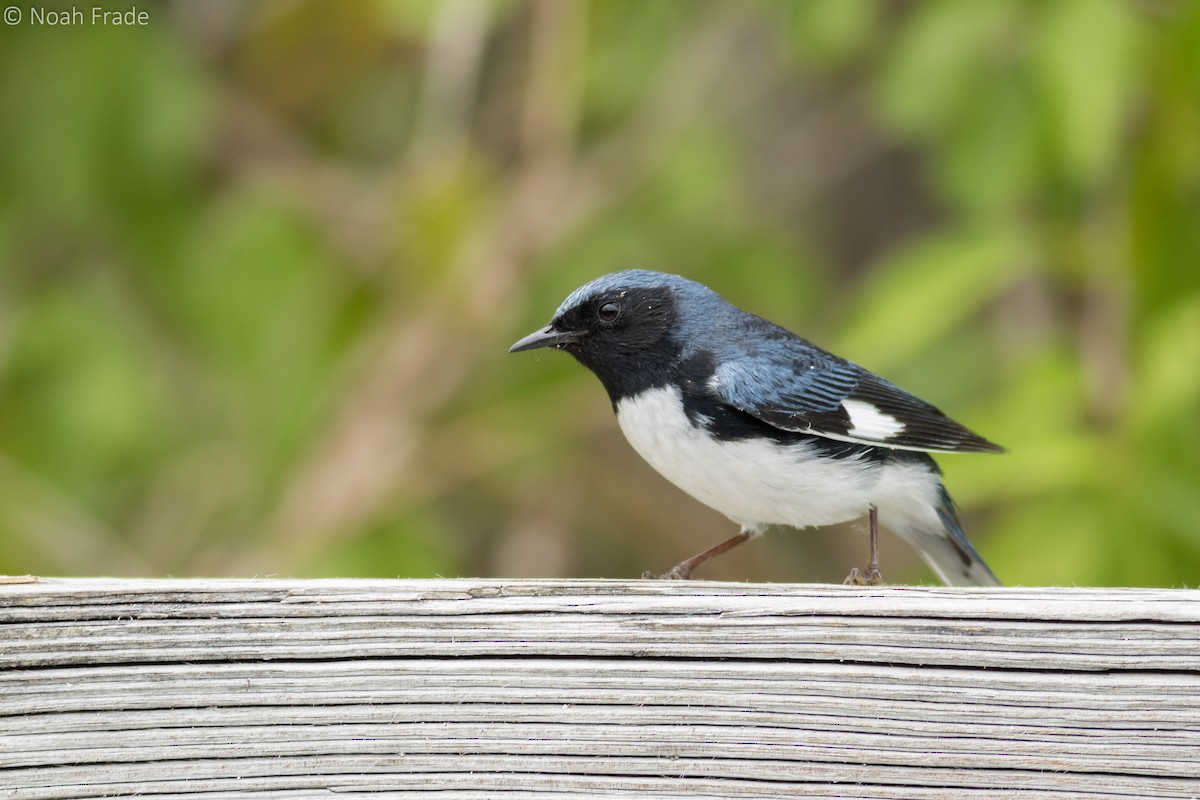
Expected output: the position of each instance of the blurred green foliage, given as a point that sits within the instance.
(260, 263)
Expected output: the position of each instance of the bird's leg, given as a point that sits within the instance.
(683, 570)
(872, 576)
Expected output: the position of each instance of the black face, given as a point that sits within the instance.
(624, 336)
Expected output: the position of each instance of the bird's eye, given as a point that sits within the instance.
(608, 312)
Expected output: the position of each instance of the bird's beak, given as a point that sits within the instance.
(546, 337)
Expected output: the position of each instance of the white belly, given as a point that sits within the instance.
(757, 483)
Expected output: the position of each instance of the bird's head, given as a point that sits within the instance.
(626, 327)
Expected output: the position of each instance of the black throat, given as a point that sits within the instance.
(627, 374)
(644, 353)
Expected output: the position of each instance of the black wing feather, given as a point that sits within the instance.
(803, 389)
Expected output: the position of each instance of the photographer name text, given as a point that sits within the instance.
(75, 17)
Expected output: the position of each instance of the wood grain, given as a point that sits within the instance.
(461, 689)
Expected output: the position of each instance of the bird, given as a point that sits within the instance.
(763, 426)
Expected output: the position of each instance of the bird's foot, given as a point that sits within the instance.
(870, 577)
(680, 572)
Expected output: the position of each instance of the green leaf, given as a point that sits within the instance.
(926, 290)
(939, 61)
(1168, 381)
(827, 32)
(1086, 56)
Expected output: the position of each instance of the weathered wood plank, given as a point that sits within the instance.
(552, 689)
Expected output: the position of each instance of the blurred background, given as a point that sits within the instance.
(260, 263)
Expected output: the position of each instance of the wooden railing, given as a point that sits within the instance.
(461, 689)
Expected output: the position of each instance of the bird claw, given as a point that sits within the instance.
(872, 576)
(857, 577)
(678, 573)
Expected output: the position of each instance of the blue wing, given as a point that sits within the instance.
(795, 386)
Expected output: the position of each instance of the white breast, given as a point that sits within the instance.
(756, 482)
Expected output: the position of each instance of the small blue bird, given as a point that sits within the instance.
(763, 426)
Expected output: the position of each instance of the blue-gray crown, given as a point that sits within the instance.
(696, 293)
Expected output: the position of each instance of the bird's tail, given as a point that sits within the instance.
(946, 549)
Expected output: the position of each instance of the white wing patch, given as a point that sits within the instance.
(868, 422)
